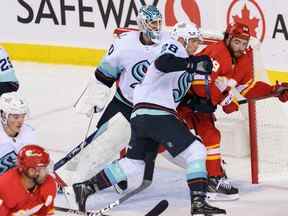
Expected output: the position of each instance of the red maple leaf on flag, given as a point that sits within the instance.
(245, 19)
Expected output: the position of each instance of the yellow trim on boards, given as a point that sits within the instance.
(54, 54)
(274, 75)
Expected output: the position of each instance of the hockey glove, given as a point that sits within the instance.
(282, 89)
(94, 98)
(200, 65)
(231, 107)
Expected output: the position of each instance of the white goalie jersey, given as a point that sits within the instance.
(164, 89)
(9, 146)
(127, 61)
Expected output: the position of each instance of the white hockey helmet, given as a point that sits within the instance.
(149, 21)
(12, 103)
(186, 31)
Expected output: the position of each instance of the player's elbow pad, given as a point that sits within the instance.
(107, 81)
(170, 63)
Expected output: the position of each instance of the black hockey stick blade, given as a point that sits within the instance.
(158, 209)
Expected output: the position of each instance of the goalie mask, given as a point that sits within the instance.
(149, 21)
(186, 31)
(11, 103)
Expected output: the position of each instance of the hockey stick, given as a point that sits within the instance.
(74, 164)
(157, 210)
(275, 94)
(81, 95)
(147, 181)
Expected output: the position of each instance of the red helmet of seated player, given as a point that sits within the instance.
(239, 30)
(32, 156)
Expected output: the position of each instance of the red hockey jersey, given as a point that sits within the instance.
(16, 200)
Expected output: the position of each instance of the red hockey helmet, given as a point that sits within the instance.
(32, 156)
(238, 30)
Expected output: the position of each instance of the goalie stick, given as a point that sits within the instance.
(147, 181)
(275, 94)
(157, 210)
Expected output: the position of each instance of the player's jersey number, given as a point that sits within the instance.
(5, 64)
(170, 47)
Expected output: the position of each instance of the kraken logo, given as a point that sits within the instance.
(184, 82)
(138, 72)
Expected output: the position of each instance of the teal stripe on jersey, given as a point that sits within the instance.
(149, 112)
(109, 71)
(196, 169)
(115, 173)
(8, 76)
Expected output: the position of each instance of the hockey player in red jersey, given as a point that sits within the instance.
(28, 189)
(232, 69)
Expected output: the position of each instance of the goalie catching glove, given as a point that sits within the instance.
(94, 99)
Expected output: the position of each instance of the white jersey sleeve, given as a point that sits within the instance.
(7, 72)
(10, 146)
(110, 65)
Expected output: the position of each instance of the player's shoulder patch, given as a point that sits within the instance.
(128, 39)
